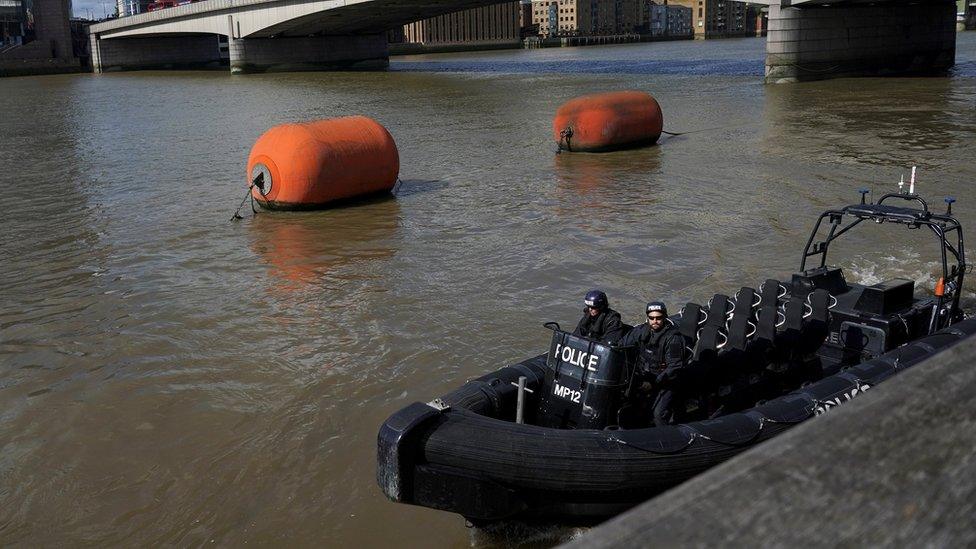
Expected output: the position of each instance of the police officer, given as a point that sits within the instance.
(599, 322)
(661, 357)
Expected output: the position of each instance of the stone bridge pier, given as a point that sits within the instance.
(309, 53)
(816, 42)
(154, 52)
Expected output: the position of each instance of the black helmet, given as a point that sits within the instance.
(658, 306)
(596, 298)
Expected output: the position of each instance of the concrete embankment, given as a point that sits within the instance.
(896, 466)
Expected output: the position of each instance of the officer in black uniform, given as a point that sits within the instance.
(661, 358)
(599, 322)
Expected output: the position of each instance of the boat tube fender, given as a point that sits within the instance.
(668, 440)
(397, 449)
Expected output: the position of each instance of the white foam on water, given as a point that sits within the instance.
(906, 263)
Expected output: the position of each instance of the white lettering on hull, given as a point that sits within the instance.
(824, 406)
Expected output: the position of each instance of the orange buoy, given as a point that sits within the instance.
(608, 121)
(309, 165)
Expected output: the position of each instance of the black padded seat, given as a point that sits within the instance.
(707, 345)
(817, 325)
(820, 305)
(691, 315)
(795, 308)
(718, 310)
(745, 298)
(769, 292)
(688, 323)
(739, 329)
(742, 316)
(766, 318)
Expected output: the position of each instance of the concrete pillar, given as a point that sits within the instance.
(310, 53)
(820, 42)
(157, 52)
(51, 26)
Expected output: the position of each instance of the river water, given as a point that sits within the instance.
(168, 376)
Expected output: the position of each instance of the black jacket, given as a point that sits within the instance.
(604, 327)
(661, 355)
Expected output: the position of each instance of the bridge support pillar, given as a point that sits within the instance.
(820, 42)
(309, 53)
(157, 52)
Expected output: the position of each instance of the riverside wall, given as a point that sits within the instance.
(893, 467)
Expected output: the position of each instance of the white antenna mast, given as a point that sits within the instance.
(911, 186)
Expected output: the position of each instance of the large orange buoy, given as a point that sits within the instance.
(608, 121)
(309, 165)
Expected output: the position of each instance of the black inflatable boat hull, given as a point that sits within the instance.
(463, 454)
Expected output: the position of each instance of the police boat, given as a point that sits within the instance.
(545, 439)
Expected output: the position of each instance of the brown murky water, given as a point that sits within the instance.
(170, 377)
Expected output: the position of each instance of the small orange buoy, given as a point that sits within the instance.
(940, 287)
(608, 121)
(309, 165)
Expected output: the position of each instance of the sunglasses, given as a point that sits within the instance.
(657, 317)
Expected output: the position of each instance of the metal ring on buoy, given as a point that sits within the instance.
(261, 173)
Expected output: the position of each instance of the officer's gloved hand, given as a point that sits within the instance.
(662, 380)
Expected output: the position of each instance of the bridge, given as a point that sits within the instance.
(807, 39)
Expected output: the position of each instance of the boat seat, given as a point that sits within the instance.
(747, 297)
(741, 323)
(766, 319)
(718, 311)
(786, 341)
(770, 291)
(794, 309)
(819, 301)
(690, 321)
(817, 324)
(706, 348)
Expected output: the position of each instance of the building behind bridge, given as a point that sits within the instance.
(722, 18)
(488, 27)
(504, 25)
(561, 18)
(132, 7)
(39, 37)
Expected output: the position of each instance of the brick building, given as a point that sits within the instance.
(495, 25)
(37, 38)
(720, 18)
